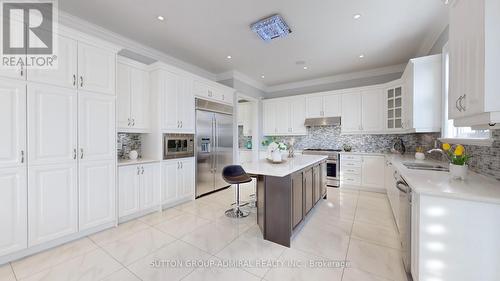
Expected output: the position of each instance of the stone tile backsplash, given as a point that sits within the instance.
(126, 143)
(485, 160)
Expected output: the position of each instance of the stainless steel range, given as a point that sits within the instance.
(332, 164)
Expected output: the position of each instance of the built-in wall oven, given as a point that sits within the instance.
(178, 146)
(332, 164)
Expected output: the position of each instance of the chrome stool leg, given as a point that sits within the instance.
(236, 211)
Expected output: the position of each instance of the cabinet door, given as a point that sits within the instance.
(124, 98)
(298, 116)
(169, 101)
(373, 111)
(373, 171)
(170, 171)
(351, 112)
(97, 136)
(18, 71)
(187, 185)
(323, 175)
(65, 74)
(96, 69)
(13, 210)
(150, 186)
(395, 114)
(314, 107)
(186, 105)
(457, 57)
(297, 199)
(139, 111)
(128, 190)
(52, 202)
(52, 124)
(316, 184)
(282, 111)
(12, 123)
(97, 193)
(269, 118)
(331, 105)
(308, 190)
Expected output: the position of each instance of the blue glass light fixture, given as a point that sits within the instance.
(271, 28)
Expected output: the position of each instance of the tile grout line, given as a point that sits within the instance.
(350, 236)
(13, 272)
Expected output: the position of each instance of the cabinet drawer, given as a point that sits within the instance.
(350, 164)
(349, 157)
(351, 179)
(351, 170)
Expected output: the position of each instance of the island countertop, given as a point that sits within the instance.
(290, 166)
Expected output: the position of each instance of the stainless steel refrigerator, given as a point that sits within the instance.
(214, 145)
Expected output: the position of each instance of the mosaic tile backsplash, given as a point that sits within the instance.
(485, 160)
(128, 142)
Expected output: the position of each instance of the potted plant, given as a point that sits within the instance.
(274, 151)
(458, 160)
(419, 154)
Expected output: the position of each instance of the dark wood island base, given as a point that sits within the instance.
(284, 202)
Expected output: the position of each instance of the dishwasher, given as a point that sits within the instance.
(404, 224)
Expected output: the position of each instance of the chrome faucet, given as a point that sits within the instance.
(440, 151)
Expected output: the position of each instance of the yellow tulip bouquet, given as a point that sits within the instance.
(457, 154)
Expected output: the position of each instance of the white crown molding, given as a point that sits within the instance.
(126, 43)
(338, 78)
(234, 74)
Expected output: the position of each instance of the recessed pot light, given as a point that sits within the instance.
(161, 18)
(356, 16)
(229, 57)
(361, 56)
(262, 76)
(305, 67)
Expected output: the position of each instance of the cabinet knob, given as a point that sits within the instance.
(456, 104)
(22, 156)
(81, 81)
(81, 153)
(138, 170)
(142, 170)
(460, 102)
(74, 80)
(74, 153)
(22, 70)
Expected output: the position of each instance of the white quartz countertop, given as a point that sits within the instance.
(291, 165)
(127, 162)
(475, 188)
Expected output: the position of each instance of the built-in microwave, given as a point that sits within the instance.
(178, 146)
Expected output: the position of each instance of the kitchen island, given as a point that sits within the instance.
(286, 192)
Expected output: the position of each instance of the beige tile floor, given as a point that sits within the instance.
(349, 225)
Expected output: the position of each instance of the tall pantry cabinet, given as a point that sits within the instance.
(58, 161)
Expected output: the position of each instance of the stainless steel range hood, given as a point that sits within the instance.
(323, 121)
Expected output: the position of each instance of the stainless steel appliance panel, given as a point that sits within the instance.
(224, 146)
(178, 146)
(405, 221)
(205, 156)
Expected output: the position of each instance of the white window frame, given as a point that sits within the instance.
(448, 124)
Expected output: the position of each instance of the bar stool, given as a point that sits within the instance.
(234, 174)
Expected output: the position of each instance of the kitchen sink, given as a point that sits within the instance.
(427, 167)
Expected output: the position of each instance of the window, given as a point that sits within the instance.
(450, 133)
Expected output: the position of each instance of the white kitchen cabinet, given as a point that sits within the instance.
(245, 117)
(150, 186)
(178, 180)
(96, 127)
(284, 116)
(52, 202)
(422, 95)
(391, 189)
(97, 195)
(373, 168)
(138, 188)
(474, 43)
(96, 69)
(132, 97)
(12, 123)
(351, 113)
(372, 106)
(395, 106)
(213, 91)
(16, 72)
(174, 89)
(52, 124)
(128, 190)
(323, 105)
(13, 210)
(65, 74)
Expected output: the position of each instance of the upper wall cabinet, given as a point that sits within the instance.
(422, 95)
(245, 117)
(363, 111)
(213, 91)
(79, 65)
(284, 116)
(132, 96)
(174, 90)
(351, 113)
(323, 105)
(474, 46)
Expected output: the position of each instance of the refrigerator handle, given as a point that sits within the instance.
(216, 144)
(214, 148)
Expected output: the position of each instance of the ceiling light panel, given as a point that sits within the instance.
(271, 28)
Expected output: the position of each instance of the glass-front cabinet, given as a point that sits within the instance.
(394, 97)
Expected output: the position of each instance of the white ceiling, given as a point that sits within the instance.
(324, 33)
